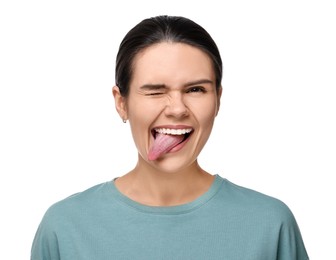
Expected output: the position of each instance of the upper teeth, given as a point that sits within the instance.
(173, 131)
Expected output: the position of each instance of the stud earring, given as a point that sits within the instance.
(124, 121)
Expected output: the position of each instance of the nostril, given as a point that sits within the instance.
(177, 108)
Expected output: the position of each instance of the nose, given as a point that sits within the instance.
(176, 106)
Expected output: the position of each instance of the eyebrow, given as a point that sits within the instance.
(198, 82)
(152, 86)
(161, 86)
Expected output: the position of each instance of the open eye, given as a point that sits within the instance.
(196, 89)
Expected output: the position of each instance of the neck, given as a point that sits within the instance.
(151, 187)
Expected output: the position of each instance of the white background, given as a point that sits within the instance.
(60, 133)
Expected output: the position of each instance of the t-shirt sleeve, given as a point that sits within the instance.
(45, 243)
(290, 243)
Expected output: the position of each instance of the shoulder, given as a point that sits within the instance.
(255, 203)
(75, 205)
(65, 218)
(82, 197)
(263, 215)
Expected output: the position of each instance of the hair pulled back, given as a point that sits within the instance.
(162, 29)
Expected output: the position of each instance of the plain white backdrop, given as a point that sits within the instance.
(60, 134)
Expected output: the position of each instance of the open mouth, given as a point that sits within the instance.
(186, 132)
(167, 140)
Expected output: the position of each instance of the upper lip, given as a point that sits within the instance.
(175, 127)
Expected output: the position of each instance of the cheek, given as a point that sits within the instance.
(205, 112)
(141, 114)
(143, 111)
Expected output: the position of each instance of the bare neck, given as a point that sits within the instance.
(150, 187)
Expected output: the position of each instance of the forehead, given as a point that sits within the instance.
(171, 63)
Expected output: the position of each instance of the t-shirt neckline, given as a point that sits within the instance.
(169, 210)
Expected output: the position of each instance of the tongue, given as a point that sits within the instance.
(162, 144)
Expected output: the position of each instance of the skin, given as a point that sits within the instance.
(173, 85)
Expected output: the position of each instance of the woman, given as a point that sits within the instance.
(168, 86)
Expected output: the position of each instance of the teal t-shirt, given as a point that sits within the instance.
(227, 222)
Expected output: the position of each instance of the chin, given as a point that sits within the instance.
(172, 164)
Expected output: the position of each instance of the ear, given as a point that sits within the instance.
(219, 95)
(120, 103)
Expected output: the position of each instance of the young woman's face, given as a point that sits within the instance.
(172, 104)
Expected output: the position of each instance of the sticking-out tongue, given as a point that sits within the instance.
(163, 143)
